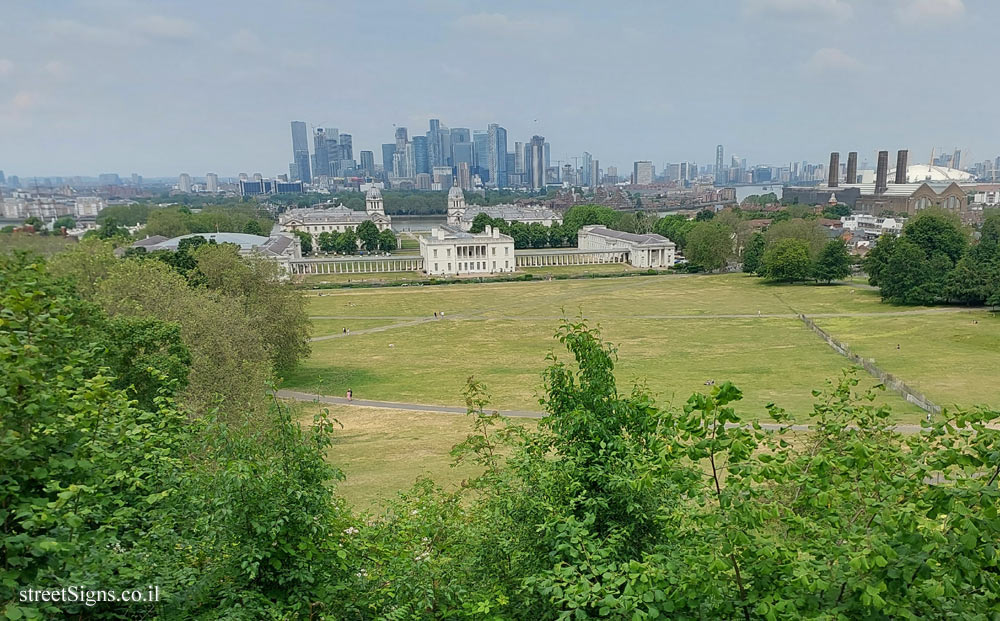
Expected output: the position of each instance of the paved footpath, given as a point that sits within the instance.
(449, 409)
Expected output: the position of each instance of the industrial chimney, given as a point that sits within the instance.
(834, 169)
(882, 172)
(901, 157)
(852, 167)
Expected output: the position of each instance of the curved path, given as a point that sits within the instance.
(295, 395)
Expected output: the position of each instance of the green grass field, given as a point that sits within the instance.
(674, 334)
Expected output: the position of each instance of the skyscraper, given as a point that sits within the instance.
(585, 177)
(388, 150)
(519, 157)
(464, 176)
(321, 156)
(497, 156)
(642, 172)
(537, 157)
(595, 173)
(212, 181)
(421, 154)
(482, 149)
(300, 151)
(184, 183)
(346, 143)
(720, 175)
(368, 163)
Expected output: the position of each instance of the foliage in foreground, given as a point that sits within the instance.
(614, 507)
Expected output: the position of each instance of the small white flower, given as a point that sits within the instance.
(423, 556)
(414, 512)
(351, 531)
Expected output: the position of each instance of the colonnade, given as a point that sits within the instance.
(358, 266)
(590, 257)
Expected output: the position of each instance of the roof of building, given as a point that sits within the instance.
(321, 214)
(511, 213)
(647, 239)
(902, 189)
(444, 233)
(278, 244)
(917, 173)
(373, 192)
(456, 192)
(152, 240)
(244, 241)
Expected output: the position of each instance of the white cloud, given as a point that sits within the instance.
(914, 11)
(830, 61)
(6, 67)
(839, 10)
(158, 26)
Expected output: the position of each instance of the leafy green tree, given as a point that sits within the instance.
(327, 241)
(877, 259)
(936, 230)
(367, 232)
(579, 216)
(147, 357)
(347, 242)
(906, 275)
(840, 210)
(833, 262)
(110, 229)
(253, 227)
(522, 236)
(675, 228)
(85, 263)
(35, 223)
(538, 235)
(306, 241)
(387, 241)
(809, 231)
(480, 222)
(65, 222)
(709, 245)
(787, 260)
(753, 254)
(704, 215)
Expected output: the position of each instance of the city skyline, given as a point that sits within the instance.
(774, 81)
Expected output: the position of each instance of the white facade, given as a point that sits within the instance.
(88, 206)
(649, 250)
(872, 226)
(462, 216)
(449, 251)
(327, 217)
(990, 198)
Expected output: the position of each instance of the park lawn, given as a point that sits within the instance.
(769, 359)
(326, 327)
(383, 452)
(372, 278)
(947, 356)
(573, 270)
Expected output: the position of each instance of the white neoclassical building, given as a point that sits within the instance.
(328, 217)
(449, 251)
(461, 215)
(649, 250)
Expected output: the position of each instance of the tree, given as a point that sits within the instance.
(327, 241)
(809, 231)
(704, 215)
(936, 230)
(480, 222)
(877, 259)
(709, 245)
(306, 241)
(368, 233)
(147, 357)
(579, 216)
(65, 222)
(347, 242)
(840, 210)
(906, 275)
(253, 227)
(753, 254)
(833, 262)
(86, 264)
(787, 260)
(110, 229)
(387, 241)
(36, 224)
(538, 235)
(522, 236)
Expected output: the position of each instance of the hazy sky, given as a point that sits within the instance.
(161, 87)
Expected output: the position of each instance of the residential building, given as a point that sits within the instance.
(642, 172)
(184, 183)
(211, 182)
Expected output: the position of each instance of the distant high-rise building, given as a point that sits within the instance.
(516, 181)
(519, 159)
(321, 154)
(956, 159)
(346, 143)
(184, 183)
(497, 157)
(537, 161)
(642, 172)
(368, 163)
(136, 180)
(388, 150)
(464, 176)
(481, 141)
(611, 175)
(434, 154)
(720, 171)
(548, 161)
(595, 173)
(585, 169)
(3, 180)
(423, 180)
(421, 154)
(401, 139)
(211, 182)
(300, 151)
(463, 152)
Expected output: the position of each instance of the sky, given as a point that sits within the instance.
(163, 87)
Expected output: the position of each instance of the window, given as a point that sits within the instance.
(506, 264)
(449, 267)
(435, 254)
(951, 203)
(494, 265)
(494, 251)
(435, 267)
(448, 251)
(506, 250)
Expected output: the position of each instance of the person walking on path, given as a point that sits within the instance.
(350, 394)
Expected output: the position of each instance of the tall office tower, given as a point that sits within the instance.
(258, 177)
(585, 177)
(388, 150)
(497, 157)
(184, 183)
(720, 175)
(410, 161)
(509, 168)
(368, 163)
(444, 143)
(481, 142)
(243, 177)
(611, 176)
(682, 171)
(464, 176)
(457, 136)
(519, 159)
(537, 151)
(463, 152)
(421, 154)
(434, 143)
(321, 154)
(642, 172)
(956, 159)
(346, 143)
(401, 139)
(211, 182)
(567, 174)
(548, 161)
(300, 151)
(3, 181)
(595, 173)
(852, 167)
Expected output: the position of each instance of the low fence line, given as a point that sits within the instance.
(891, 381)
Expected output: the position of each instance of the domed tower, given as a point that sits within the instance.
(456, 205)
(373, 202)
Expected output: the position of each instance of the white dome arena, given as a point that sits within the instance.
(918, 173)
